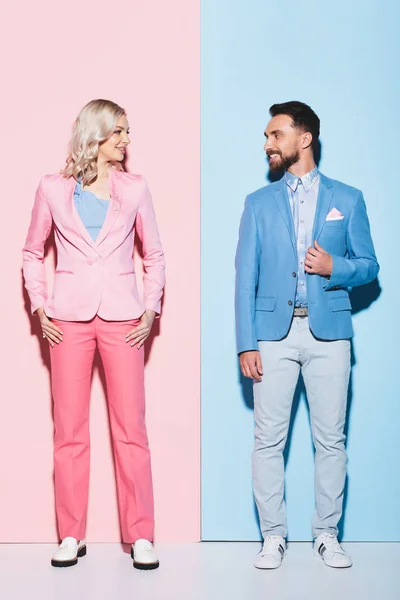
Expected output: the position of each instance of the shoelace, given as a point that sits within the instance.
(331, 544)
(271, 545)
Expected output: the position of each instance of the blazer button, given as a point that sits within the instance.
(290, 303)
(115, 207)
(294, 274)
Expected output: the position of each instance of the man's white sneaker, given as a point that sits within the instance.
(68, 552)
(144, 556)
(327, 547)
(272, 553)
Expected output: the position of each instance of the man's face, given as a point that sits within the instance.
(283, 143)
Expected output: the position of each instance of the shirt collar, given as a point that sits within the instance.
(307, 180)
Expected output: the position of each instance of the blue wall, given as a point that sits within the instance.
(341, 58)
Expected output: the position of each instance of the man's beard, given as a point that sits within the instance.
(284, 163)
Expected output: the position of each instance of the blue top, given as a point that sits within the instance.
(303, 196)
(91, 209)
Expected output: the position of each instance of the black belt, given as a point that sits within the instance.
(300, 311)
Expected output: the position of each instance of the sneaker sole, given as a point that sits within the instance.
(144, 566)
(267, 568)
(69, 563)
(317, 555)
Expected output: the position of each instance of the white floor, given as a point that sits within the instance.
(207, 571)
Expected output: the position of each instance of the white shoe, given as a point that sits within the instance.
(68, 552)
(144, 556)
(327, 548)
(272, 553)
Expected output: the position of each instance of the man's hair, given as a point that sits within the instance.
(303, 117)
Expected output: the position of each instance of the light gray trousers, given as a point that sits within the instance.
(325, 367)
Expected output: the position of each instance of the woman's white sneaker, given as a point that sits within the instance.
(144, 556)
(68, 552)
(327, 547)
(272, 553)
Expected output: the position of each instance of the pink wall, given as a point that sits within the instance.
(145, 56)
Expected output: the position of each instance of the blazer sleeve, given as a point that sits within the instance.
(360, 266)
(247, 269)
(33, 252)
(153, 255)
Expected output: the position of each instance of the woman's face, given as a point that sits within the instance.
(114, 149)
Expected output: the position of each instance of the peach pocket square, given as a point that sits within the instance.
(335, 215)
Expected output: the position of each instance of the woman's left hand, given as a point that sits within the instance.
(139, 334)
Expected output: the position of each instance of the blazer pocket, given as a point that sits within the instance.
(335, 223)
(338, 304)
(128, 273)
(264, 303)
(61, 272)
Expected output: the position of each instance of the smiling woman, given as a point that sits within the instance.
(99, 135)
(92, 305)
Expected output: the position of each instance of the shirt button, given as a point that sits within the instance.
(301, 221)
(115, 207)
(302, 283)
(290, 303)
(294, 274)
(302, 201)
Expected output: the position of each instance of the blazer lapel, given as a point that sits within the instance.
(80, 228)
(282, 200)
(325, 195)
(115, 206)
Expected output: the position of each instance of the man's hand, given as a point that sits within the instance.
(251, 365)
(318, 262)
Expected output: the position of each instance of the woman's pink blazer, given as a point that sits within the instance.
(94, 277)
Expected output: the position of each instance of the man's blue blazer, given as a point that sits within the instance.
(267, 264)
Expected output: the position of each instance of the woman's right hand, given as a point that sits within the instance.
(50, 331)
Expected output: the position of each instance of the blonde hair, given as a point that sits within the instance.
(94, 124)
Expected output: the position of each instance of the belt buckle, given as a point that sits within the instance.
(301, 311)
